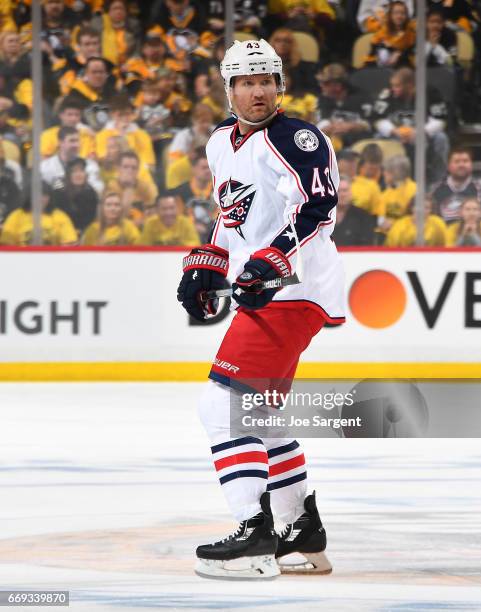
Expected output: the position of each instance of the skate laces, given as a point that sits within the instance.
(240, 530)
(243, 526)
(298, 525)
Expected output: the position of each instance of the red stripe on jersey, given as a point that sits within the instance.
(285, 466)
(284, 162)
(250, 457)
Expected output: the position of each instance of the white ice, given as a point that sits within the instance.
(106, 489)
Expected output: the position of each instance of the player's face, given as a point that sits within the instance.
(254, 97)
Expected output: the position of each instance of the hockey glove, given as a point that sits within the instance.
(263, 265)
(205, 268)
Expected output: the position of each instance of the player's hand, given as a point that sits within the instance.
(205, 269)
(263, 265)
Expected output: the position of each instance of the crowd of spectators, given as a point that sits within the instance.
(132, 91)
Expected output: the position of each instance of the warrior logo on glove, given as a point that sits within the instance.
(210, 264)
(235, 202)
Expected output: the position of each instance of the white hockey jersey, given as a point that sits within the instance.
(261, 180)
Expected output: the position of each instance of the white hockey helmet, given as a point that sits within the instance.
(251, 57)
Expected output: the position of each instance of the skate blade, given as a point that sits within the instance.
(305, 563)
(246, 568)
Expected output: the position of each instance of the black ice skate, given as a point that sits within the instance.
(249, 553)
(307, 537)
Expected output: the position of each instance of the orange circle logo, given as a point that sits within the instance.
(377, 299)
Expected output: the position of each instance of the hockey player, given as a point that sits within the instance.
(275, 182)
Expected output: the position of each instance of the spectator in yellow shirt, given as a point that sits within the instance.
(70, 115)
(57, 227)
(120, 31)
(134, 192)
(112, 228)
(66, 70)
(404, 231)
(365, 188)
(200, 185)
(146, 66)
(168, 227)
(93, 91)
(110, 164)
(122, 124)
(216, 98)
(400, 190)
(7, 24)
(466, 232)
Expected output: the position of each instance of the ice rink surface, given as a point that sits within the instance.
(106, 489)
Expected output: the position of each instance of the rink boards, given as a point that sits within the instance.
(103, 315)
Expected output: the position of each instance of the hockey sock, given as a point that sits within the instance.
(241, 463)
(287, 478)
(242, 468)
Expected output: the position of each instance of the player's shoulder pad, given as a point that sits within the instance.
(298, 141)
(226, 123)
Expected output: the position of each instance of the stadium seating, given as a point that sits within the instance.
(308, 46)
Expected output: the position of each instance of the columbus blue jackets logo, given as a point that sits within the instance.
(306, 140)
(235, 202)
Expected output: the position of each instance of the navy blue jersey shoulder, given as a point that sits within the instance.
(283, 132)
(226, 123)
(304, 148)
